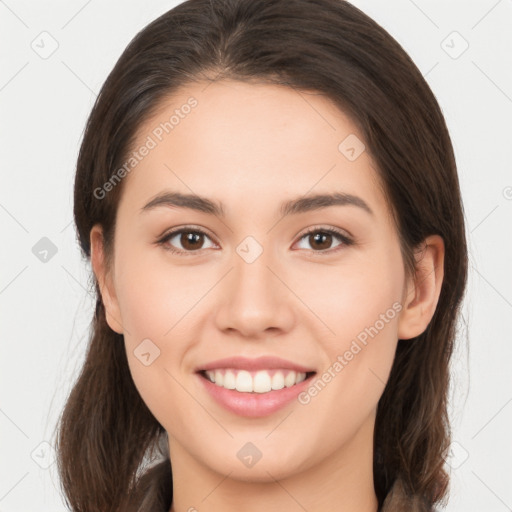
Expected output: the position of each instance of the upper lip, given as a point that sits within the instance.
(259, 363)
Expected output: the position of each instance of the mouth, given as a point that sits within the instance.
(257, 382)
(254, 387)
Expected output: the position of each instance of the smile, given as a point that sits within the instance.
(261, 381)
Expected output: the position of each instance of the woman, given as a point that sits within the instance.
(268, 196)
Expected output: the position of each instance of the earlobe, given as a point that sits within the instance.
(108, 295)
(422, 292)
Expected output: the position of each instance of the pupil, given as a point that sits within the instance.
(191, 238)
(318, 237)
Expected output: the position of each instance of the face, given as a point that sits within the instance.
(303, 295)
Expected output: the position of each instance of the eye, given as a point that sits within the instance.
(322, 239)
(190, 238)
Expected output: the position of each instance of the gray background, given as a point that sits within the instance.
(45, 306)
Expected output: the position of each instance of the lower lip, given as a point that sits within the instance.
(254, 404)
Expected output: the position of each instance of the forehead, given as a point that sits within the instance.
(238, 142)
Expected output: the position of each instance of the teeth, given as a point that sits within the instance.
(229, 380)
(257, 382)
(219, 378)
(278, 380)
(289, 380)
(261, 383)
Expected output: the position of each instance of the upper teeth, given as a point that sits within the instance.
(256, 382)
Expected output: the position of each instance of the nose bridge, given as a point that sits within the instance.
(256, 300)
(254, 285)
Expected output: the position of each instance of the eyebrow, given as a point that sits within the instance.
(290, 207)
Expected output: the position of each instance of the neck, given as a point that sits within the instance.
(342, 481)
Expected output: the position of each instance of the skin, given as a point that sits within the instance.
(252, 146)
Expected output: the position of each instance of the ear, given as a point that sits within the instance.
(422, 290)
(104, 278)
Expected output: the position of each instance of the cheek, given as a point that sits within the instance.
(156, 297)
(151, 306)
(360, 306)
(359, 360)
(351, 296)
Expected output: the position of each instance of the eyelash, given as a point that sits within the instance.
(347, 241)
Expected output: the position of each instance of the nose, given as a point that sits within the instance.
(255, 300)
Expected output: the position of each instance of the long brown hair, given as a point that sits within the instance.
(106, 435)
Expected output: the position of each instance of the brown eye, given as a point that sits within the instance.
(321, 240)
(185, 241)
(191, 240)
